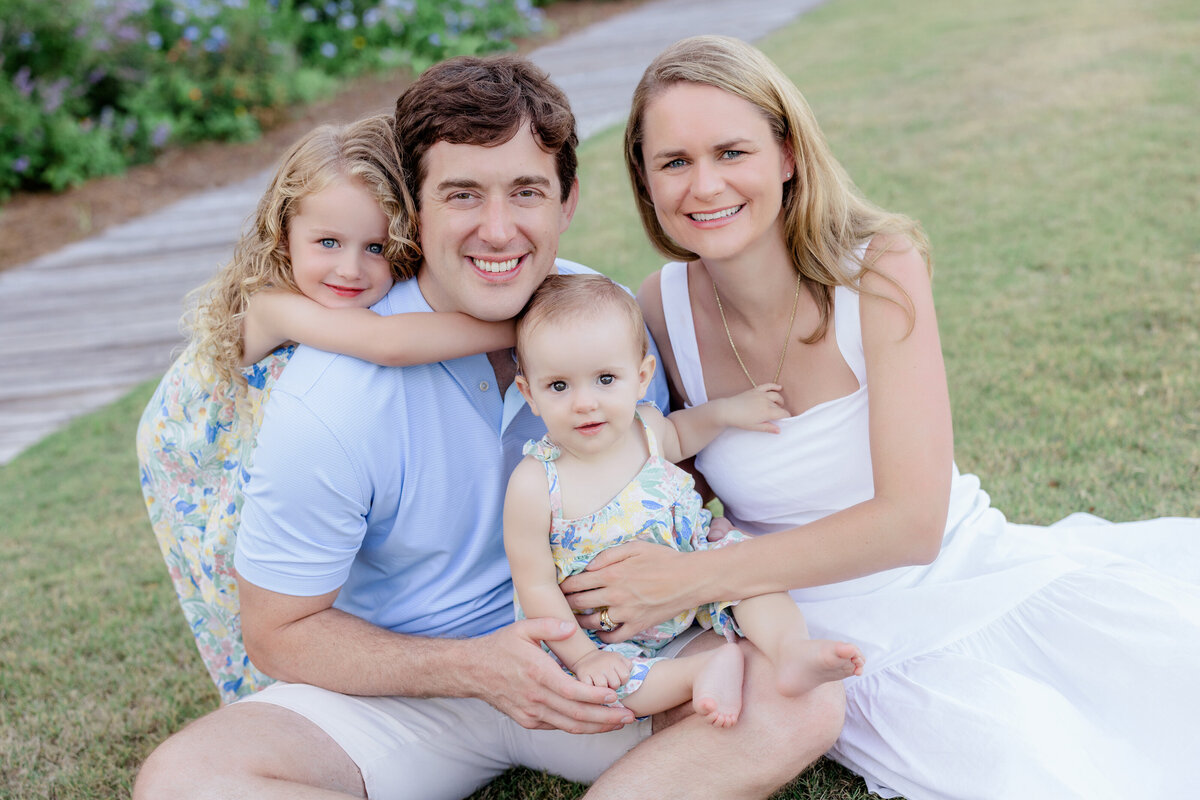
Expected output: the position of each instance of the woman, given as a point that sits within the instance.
(1002, 660)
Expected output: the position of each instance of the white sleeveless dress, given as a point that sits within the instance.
(1024, 663)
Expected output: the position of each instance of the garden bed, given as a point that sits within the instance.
(36, 223)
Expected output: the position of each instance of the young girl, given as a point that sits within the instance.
(329, 238)
(603, 476)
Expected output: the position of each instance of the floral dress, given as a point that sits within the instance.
(660, 505)
(194, 443)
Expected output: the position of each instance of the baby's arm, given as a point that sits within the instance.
(276, 317)
(686, 431)
(527, 544)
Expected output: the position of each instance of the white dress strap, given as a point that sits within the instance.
(677, 309)
(847, 331)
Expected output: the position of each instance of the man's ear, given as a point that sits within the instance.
(646, 372)
(568, 207)
(523, 386)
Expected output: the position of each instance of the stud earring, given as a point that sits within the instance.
(787, 177)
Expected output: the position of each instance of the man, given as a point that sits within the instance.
(371, 562)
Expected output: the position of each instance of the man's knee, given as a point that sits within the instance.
(228, 752)
(822, 723)
(801, 730)
(168, 771)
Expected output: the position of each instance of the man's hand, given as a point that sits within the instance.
(602, 668)
(514, 674)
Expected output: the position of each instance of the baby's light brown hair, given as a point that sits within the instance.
(569, 298)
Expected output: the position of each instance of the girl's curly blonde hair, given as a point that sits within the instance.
(365, 150)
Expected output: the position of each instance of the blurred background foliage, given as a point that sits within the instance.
(89, 87)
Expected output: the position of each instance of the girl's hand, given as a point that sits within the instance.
(642, 584)
(755, 409)
(603, 668)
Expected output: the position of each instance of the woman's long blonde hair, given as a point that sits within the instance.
(365, 150)
(826, 220)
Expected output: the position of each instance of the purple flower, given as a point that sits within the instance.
(23, 81)
(329, 49)
(154, 39)
(20, 164)
(162, 132)
(52, 95)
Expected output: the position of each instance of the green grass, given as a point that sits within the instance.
(1049, 150)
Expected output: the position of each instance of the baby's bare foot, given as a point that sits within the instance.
(805, 664)
(717, 691)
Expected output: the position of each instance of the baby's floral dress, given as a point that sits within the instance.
(660, 505)
(194, 443)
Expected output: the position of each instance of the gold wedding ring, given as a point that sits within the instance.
(606, 623)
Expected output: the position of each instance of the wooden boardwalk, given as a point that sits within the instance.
(81, 326)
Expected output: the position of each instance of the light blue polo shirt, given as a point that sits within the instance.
(389, 482)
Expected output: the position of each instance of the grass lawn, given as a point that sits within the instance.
(1050, 149)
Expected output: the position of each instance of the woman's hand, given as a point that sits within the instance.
(641, 584)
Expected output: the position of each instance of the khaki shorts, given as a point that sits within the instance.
(425, 749)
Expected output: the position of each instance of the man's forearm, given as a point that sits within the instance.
(326, 647)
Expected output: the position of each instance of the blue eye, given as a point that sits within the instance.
(731, 154)
(673, 163)
(606, 380)
(558, 386)
(328, 243)
(375, 249)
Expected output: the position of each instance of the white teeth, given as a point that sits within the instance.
(496, 266)
(729, 212)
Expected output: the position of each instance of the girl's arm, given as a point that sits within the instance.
(527, 545)
(911, 453)
(275, 317)
(688, 430)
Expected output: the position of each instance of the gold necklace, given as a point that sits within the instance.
(786, 339)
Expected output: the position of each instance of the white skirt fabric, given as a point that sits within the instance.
(1027, 663)
(1024, 663)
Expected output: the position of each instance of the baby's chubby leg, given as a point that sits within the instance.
(717, 690)
(712, 679)
(775, 624)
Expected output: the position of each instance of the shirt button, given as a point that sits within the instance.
(483, 386)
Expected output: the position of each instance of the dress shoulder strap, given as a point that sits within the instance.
(677, 310)
(651, 440)
(546, 452)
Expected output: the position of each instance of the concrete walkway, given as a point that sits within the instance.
(81, 326)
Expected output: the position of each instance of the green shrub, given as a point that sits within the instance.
(88, 87)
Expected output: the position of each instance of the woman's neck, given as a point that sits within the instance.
(756, 286)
